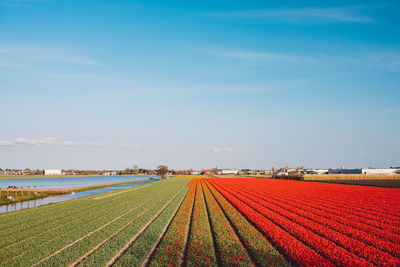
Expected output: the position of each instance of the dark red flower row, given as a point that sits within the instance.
(304, 219)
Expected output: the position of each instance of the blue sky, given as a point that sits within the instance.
(199, 84)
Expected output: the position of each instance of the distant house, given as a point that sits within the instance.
(195, 173)
(53, 172)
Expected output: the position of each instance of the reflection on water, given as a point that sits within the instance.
(58, 198)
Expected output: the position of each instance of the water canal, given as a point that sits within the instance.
(67, 182)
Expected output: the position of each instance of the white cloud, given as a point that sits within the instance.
(341, 14)
(389, 60)
(28, 53)
(222, 150)
(253, 55)
(232, 150)
(51, 141)
(135, 147)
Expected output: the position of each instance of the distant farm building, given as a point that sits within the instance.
(53, 172)
(381, 171)
(318, 171)
(229, 171)
(345, 171)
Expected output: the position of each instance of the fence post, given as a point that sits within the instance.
(29, 190)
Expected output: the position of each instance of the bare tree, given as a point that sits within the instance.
(215, 170)
(162, 170)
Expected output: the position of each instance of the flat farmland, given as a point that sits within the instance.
(210, 222)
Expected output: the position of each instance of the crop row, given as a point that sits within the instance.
(229, 248)
(200, 249)
(308, 234)
(260, 249)
(171, 248)
(44, 217)
(35, 241)
(68, 246)
(213, 233)
(351, 233)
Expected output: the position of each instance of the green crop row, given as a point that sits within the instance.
(106, 210)
(231, 251)
(137, 253)
(105, 252)
(78, 221)
(30, 218)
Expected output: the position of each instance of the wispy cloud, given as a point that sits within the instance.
(334, 14)
(232, 150)
(51, 141)
(28, 53)
(389, 61)
(16, 3)
(222, 150)
(255, 55)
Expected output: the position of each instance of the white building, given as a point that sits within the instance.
(319, 171)
(380, 171)
(228, 171)
(52, 172)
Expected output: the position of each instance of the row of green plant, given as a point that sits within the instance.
(231, 251)
(104, 253)
(85, 218)
(138, 252)
(25, 223)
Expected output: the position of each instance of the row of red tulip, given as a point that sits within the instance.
(349, 248)
(320, 237)
(339, 223)
(200, 249)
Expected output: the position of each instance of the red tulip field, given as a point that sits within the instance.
(211, 222)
